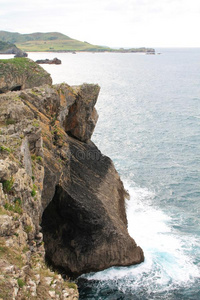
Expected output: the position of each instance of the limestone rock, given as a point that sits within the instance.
(21, 73)
(82, 116)
(85, 226)
(52, 175)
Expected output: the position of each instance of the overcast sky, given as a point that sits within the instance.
(115, 23)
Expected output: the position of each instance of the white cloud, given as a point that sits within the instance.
(108, 22)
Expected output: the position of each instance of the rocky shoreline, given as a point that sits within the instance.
(62, 201)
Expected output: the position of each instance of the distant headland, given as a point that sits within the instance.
(58, 42)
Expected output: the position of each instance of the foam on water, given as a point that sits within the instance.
(167, 264)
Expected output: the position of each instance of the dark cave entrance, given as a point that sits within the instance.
(58, 226)
(66, 231)
(16, 88)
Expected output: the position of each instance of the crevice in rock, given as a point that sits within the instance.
(16, 88)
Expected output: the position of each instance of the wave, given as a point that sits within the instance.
(169, 262)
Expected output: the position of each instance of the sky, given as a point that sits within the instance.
(113, 23)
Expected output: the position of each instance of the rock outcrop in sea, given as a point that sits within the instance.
(60, 197)
(54, 61)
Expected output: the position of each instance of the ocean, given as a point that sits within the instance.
(149, 125)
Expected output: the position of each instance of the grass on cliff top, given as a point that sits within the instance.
(19, 62)
(58, 45)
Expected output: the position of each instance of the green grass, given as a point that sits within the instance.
(19, 62)
(33, 192)
(71, 285)
(28, 228)
(16, 207)
(7, 185)
(20, 282)
(58, 45)
(3, 148)
(10, 121)
(54, 41)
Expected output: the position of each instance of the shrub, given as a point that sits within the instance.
(20, 282)
(7, 185)
(39, 158)
(33, 157)
(10, 121)
(28, 228)
(71, 285)
(3, 148)
(33, 192)
(16, 208)
(18, 201)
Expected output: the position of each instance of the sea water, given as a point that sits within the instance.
(149, 124)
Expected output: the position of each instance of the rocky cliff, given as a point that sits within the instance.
(59, 195)
(9, 48)
(20, 73)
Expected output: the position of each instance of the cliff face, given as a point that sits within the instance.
(8, 48)
(21, 73)
(53, 176)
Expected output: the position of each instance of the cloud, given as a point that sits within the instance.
(107, 22)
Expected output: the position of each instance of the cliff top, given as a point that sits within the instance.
(20, 73)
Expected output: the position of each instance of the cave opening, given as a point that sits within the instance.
(66, 232)
(16, 88)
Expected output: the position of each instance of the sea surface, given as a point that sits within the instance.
(149, 124)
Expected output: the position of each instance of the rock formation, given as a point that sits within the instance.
(8, 48)
(51, 174)
(54, 61)
(20, 73)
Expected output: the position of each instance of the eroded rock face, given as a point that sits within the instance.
(8, 48)
(21, 73)
(82, 117)
(85, 226)
(62, 180)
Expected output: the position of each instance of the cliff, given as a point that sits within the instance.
(60, 196)
(20, 73)
(8, 48)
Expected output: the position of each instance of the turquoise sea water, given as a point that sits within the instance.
(149, 124)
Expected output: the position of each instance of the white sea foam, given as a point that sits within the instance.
(166, 263)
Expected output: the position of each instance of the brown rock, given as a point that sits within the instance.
(82, 117)
(54, 61)
(63, 180)
(21, 73)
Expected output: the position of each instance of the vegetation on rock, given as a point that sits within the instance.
(20, 73)
(60, 198)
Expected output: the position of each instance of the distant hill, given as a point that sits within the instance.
(56, 42)
(50, 41)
